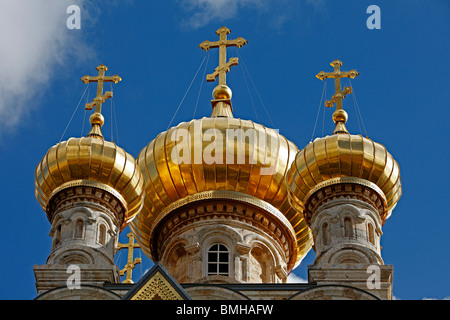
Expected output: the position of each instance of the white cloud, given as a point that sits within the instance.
(293, 278)
(34, 41)
(445, 298)
(205, 11)
(276, 13)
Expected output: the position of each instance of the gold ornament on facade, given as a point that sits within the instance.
(212, 159)
(91, 161)
(131, 262)
(343, 158)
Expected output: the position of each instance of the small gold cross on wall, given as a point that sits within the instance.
(131, 264)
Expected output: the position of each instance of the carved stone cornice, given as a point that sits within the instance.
(226, 210)
(88, 197)
(345, 191)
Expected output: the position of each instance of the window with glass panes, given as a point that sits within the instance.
(218, 260)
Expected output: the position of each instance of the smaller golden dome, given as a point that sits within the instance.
(335, 159)
(90, 162)
(343, 158)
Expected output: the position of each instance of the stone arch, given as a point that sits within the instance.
(341, 254)
(79, 228)
(220, 234)
(176, 259)
(101, 234)
(85, 292)
(370, 233)
(71, 255)
(262, 264)
(348, 227)
(333, 292)
(223, 233)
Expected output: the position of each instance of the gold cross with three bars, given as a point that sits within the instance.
(131, 264)
(222, 44)
(337, 74)
(100, 79)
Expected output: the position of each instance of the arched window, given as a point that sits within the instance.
(57, 237)
(79, 226)
(218, 260)
(348, 227)
(325, 234)
(102, 234)
(371, 234)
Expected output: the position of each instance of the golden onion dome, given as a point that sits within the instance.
(172, 180)
(218, 157)
(344, 158)
(94, 162)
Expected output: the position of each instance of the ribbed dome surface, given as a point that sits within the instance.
(344, 155)
(91, 162)
(210, 164)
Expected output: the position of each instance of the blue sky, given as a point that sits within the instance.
(153, 45)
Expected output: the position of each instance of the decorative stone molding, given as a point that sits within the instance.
(334, 292)
(333, 245)
(87, 197)
(229, 211)
(344, 191)
(256, 242)
(192, 249)
(281, 273)
(243, 248)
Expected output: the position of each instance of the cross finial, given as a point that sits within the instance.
(339, 116)
(222, 93)
(96, 118)
(131, 264)
(222, 44)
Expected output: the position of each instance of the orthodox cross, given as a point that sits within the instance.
(100, 79)
(337, 75)
(131, 264)
(222, 44)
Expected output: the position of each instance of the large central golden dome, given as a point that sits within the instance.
(260, 174)
(219, 157)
